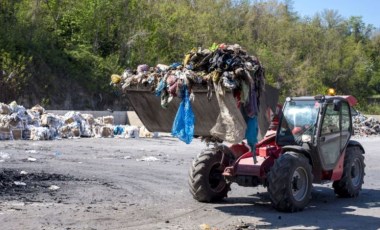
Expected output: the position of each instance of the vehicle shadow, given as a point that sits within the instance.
(325, 211)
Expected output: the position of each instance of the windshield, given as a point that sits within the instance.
(298, 122)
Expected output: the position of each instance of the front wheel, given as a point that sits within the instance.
(353, 174)
(206, 181)
(290, 182)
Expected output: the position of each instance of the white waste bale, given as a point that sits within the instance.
(89, 118)
(75, 129)
(132, 132)
(17, 134)
(5, 109)
(51, 120)
(65, 131)
(33, 118)
(143, 132)
(40, 133)
(103, 131)
(4, 121)
(13, 105)
(108, 120)
(5, 133)
(86, 130)
(38, 108)
(72, 116)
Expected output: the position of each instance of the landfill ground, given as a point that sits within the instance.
(142, 184)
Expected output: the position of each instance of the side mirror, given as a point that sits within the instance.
(337, 105)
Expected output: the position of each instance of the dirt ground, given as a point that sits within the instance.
(142, 184)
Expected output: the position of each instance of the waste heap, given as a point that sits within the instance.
(18, 123)
(365, 126)
(220, 68)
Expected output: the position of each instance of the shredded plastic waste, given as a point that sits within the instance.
(4, 155)
(149, 159)
(53, 187)
(19, 183)
(31, 159)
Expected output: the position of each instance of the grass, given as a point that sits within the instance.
(373, 109)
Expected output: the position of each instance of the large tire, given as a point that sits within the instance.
(353, 174)
(290, 182)
(206, 181)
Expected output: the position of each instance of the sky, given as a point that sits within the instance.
(368, 9)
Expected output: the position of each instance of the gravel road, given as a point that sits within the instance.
(142, 184)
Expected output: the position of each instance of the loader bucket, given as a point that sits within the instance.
(157, 119)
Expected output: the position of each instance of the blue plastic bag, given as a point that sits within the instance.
(183, 125)
(251, 132)
(161, 86)
(118, 130)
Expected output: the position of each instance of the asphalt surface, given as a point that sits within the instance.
(142, 184)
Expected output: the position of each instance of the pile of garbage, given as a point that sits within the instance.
(365, 126)
(219, 68)
(18, 123)
(229, 65)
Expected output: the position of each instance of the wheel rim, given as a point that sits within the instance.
(216, 180)
(299, 184)
(356, 172)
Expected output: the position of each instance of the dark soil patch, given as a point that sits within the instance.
(13, 183)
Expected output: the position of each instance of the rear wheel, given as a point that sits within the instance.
(353, 174)
(290, 182)
(206, 181)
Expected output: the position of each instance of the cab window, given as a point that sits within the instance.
(331, 122)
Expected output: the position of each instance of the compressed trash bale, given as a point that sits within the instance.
(132, 132)
(13, 105)
(26, 134)
(51, 120)
(5, 109)
(106, 131)
(15, 123)
(98, 121)
(38, 108)
(103, 131)
(143, 132)
(365, 126)
(5, 133)
(108, 120)
(76, 132)
(40, 133)
(119, 130)
(89, 118)
(65, 131)
(86, 130)
(46, 119)
(75, 128)
(17, 134)
(70, 117)
(96, 130)
(33, 118)
(4, 121)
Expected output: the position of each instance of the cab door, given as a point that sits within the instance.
(334, 134)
